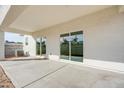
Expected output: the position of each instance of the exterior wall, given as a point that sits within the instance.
(13, 50)
(30, 49)
(1, 45)
(103, 35)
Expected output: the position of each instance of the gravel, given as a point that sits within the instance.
(5, 82)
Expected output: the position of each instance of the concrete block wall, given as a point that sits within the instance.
(12, 50)
(1, 45)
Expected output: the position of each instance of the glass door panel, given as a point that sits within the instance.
(64, 46)
(43, 46)
(38, 43)
(77, 46)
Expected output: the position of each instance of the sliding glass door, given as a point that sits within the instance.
(71, 45)
(64, 43)
(41, 46)
(77, 46)
(38, 44)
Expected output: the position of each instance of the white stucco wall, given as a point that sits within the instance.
(103, 35)
(1, 45)
(31, 47)
(103, 39)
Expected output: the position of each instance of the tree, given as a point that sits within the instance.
(65, 41)
(75, 40)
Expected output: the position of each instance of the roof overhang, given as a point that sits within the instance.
(30, 18)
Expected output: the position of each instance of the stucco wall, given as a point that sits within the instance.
(103, 35)
(29, 49)
(1, 45)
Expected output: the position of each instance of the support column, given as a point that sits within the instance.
(2, 45)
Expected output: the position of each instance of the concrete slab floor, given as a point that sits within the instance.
(46, 73)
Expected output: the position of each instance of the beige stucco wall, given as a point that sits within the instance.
(103, 35)
(1, 45)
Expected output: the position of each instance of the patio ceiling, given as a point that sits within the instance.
(27, 19)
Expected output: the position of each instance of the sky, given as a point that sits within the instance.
(13, 37)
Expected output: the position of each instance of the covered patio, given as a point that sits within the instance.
(55, 74)
(67, 46)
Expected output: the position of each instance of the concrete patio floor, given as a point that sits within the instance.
(47, 73)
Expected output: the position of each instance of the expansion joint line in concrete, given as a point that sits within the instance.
(45, 75)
